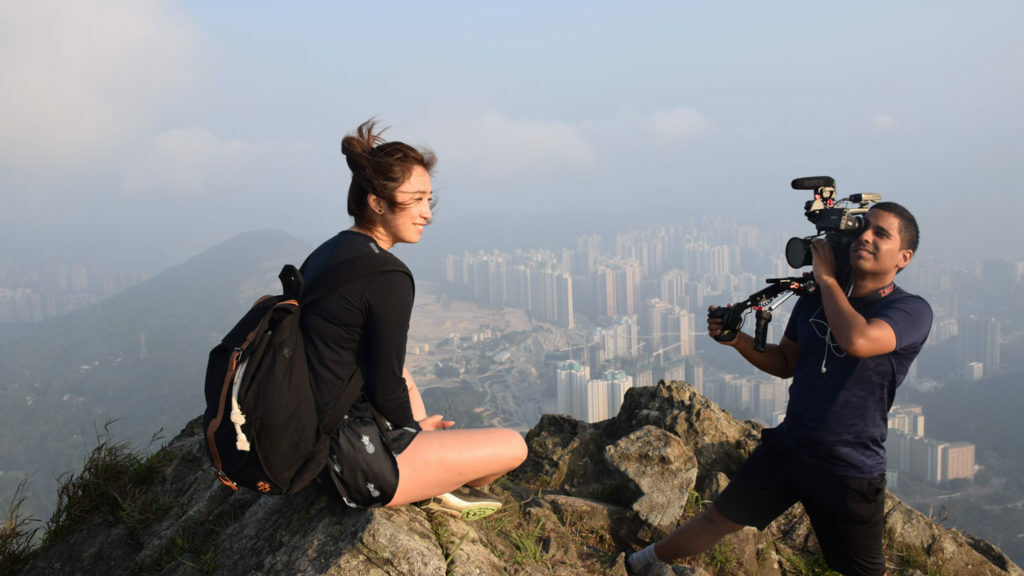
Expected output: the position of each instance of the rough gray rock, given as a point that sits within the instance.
(662, 470)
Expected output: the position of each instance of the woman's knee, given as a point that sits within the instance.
(515, 447)
(507, 449)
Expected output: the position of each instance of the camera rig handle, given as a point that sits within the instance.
(763, 302)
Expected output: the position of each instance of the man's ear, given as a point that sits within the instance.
(905, 257)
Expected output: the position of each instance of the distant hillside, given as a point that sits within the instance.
(985, 413)
(980, 411)
(138, 357)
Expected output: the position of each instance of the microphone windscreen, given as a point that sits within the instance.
(813, 182)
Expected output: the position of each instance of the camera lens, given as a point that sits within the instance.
(798, 252)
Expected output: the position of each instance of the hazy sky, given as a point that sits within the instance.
(174, 125)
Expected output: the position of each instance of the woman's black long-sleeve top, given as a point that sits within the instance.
(363, 324)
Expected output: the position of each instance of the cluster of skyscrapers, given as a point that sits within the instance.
(39, 290)
(534, 281)
(910, 452)
(630, 304)
(639, 293)
(637, 301)
(590, 399)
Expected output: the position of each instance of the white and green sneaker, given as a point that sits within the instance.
(467, 503)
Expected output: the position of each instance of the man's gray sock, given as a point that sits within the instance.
(645, 557)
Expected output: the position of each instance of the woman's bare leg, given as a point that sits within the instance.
(444, 460)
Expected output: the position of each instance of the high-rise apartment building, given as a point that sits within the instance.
(908, 419)
(980, 341)
(571, 384)
(672, 288)
(667, 329)
(590, 400)
(960, 460)
(616, 288)
(620, 340)
(520, 288)
(925, 458)
(695, 374)
(613, 385)
(529, 280)
(564, 317)
(588, 252)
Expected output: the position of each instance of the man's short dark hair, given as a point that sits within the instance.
(910, 234)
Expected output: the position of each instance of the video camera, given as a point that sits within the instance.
(833, 219)
(837, 222)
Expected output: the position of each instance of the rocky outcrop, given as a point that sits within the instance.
(587, 493)
(670, 449)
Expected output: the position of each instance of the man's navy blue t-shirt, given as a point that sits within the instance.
(838, 404)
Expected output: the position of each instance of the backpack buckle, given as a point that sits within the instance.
(225, 480)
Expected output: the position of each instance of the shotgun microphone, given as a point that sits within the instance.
(813, 182)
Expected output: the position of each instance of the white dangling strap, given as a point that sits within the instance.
(237, 418)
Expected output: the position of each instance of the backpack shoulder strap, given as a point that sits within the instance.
(332, 279)
(346, 270)
(291, 282)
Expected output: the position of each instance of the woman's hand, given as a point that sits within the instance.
(435, 422)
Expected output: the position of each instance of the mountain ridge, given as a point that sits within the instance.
(125, 360)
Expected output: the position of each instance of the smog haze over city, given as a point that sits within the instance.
(151, 130)
(138, 134)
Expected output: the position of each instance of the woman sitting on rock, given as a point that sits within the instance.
(387, 451)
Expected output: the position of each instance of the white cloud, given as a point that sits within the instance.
(491, 160)
(650, 129)
(497, 146)
(883, 123)
(82, 78)
(678, 125)
(194, 161)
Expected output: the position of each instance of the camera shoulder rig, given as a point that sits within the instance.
(762, 302)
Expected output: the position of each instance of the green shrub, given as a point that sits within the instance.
(113, 484)
(16, 534)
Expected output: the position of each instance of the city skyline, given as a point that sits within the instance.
(709, 273)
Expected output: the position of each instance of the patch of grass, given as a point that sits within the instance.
(113, 484)
(721, 559)
(578, 527)
(809, 566)
(493, 527)
(917, 560)
(189, 547)
(445, 538)
(514, 537)
(694, 504)
(16, 534)
(440, 529)
(528, 541)
(451, 555)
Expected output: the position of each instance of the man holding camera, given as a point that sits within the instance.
(847, 349)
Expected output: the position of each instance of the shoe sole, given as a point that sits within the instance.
(471, 512)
